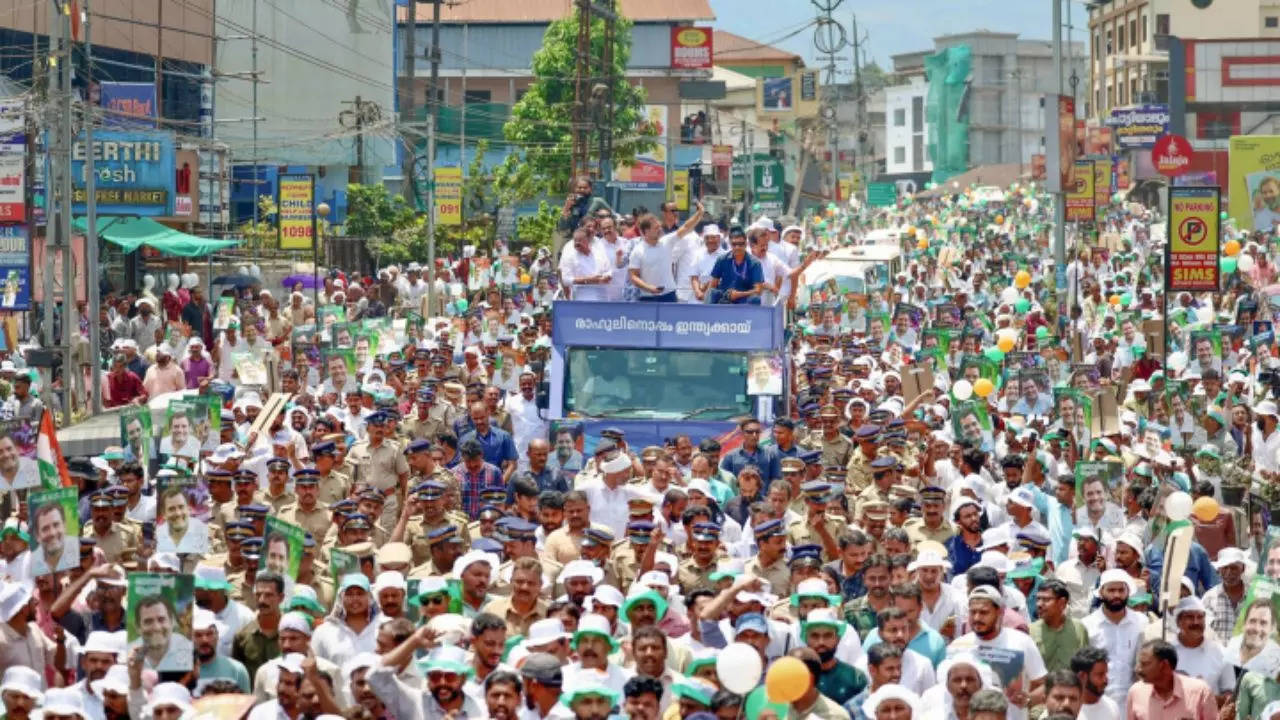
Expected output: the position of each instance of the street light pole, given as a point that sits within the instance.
(323, 211)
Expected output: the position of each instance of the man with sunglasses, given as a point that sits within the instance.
(737, 277)
(653, 258)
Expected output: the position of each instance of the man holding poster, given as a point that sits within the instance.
(179, 532)
(159, 608)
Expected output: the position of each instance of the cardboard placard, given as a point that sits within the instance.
(916, 381)
(270, 409)
(1106, 420)
(1111, 241)
(1153, 331)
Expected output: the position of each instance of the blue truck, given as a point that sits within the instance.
(657, 370)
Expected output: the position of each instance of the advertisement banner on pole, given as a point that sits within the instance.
(1254, 185)
(15, 268)
(296, 211)
(1060, 138)
(1194, 240)
(721, 155)
(13, 206)
(691, 48)
(448, 195)
(1101, 183)
(649, 169)
(1080, 195)
(134, 172)
(680, 189)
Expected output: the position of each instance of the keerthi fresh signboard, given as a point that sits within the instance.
(133, 172)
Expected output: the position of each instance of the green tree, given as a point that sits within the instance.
(375, 214)
(874, 77)
(541, 121)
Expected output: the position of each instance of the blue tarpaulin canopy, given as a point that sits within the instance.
(131, 233)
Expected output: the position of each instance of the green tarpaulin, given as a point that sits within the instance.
(131, 233)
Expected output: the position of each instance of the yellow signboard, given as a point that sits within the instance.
(449, 196)
(1253, 188)
(295, 206)
(1193, 239)
(1080, 192)
(680, 188)
(846, 188)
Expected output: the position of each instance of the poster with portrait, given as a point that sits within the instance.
(946, 315)
(224, 312)
(342, 563)
(764, 374)
(914, 313)
(159, 620)
(1086, 377)
(971, 422)
(250, 368)
(1205, 351)
(974, 366)
(568, 448)
(136, 435)
(281, 548)
(54, 520)
(345, 356)
(1073, 413)
(182, 515)
(18, 467)
(187, 429)
(1257, 624)
(1089, 471)
(342, 334)
(776, 94)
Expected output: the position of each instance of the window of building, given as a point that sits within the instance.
(900, 154)
(917, 114)
(1144, 28)
(1271, 21)
(1133, 90)
(1097, 45)
(477, 96)
(1162, 23)
(1120, 38)
(1133, 32)
(900, 117)
(521, 93)
(917, 153)
(1111, 36)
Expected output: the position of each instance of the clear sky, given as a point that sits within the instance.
(891, 26)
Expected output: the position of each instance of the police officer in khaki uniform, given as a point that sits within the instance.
(793, 473)
(426, 514)
(704, 557)
(381, 463)
(277, 495)
(518, 538)
(232, 559)
(423, 466)
(306, 511)
(334, 485)
(770, 560)
(883, 477)
(492, 501)
(628, 556)
(222, 507)
(836, 448)
(932, 523)
(419, 425)
(859, 466)
(117, 542)
(817, 526)
(597, 546)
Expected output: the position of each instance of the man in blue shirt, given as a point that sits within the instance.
(963, 546)
(753, 453)
(499, 448)
(736, 277)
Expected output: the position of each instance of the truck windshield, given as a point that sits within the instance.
(656, 384)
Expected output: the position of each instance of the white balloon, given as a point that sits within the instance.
(1009, 294)
(1177, 360)
(739, 667)
(962, 389)
(1178, 506)
(1245, 263)
(1204, 314)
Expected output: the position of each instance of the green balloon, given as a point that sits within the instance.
(994, 354)
(758, 702)
(1022, 305)
(463, 305)
(1042, 332)
(1228, 265)
(1126, 299)
(1223, 215)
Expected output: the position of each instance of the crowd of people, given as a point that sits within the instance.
(960, 511)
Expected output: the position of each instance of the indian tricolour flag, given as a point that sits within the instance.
(53, 467)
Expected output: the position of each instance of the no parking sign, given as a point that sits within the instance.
(1192, 262)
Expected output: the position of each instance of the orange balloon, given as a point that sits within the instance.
(1005, 344)
(1114, 299)
(1022, 279)
(1232, 247)
(922, 244)
(999, 219)
(982, 387)
(1205, 509)
(787, 680)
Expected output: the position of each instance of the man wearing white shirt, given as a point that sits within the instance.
(617, 250)
(1090, 666)
(686, 260)
(584, 268)
(607, 495)
(1266, 438)
(652, 259)
(986, 618)
(788, 247)
(526, 423)
(776, 272)
(1118, 630)
(706, 261)
(1198, 656)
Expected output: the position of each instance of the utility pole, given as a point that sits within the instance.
(254, 71)
(829, 38)
(1059, 200)
(361, 114)
(58, 227)
(433, 118)
(408, 99)
(91, 217)
(586, 92)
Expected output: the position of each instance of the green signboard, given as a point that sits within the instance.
(881, 194)
(769, 182)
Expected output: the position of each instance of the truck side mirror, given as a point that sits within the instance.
(543, 397)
